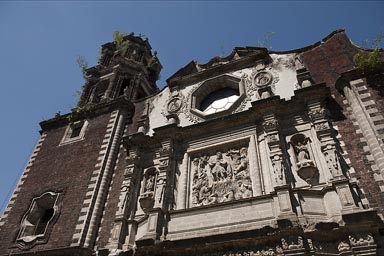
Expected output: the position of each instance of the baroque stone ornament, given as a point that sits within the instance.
(174, 104)
(316, 114)
(262, 79)
(270, 125)
(331, 158)
(221, 177)
(305, 166)
(147, 197)
(361, 240)
(278, 169)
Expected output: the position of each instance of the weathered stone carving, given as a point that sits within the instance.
(343, 246)
(147, 197)
(271, 124)
(262, 78)
(292, 243)
(221, 177)
(305, 166)
(264, 251)
(316, 114)
(123, 198)
(174, 104)
(361, 240)
(330, 155)
(278, 169)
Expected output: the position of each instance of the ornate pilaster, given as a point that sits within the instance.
(122, 226)
(318, 117)
(271, 129)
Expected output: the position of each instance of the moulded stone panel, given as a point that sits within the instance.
(312, 205)
(221, 219)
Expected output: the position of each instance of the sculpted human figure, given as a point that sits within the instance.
(302, 152)
(241, 168)
(243, 190)
(150, 184)
(219, 169)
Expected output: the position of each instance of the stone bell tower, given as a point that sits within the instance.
(57, 206)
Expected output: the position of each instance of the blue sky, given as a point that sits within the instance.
(40, 41)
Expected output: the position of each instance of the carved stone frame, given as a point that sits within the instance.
(212, 85)
(27, 242)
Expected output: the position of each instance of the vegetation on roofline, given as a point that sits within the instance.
(370, 63)
(120, 44)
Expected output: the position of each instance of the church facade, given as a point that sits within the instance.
(256, 153)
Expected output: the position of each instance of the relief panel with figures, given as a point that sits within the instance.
(220, 177)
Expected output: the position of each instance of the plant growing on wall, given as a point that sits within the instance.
(371, 63)
(121, 45)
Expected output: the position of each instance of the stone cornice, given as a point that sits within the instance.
(82, 113)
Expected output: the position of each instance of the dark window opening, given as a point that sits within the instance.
(46, 216)
(76, 131)
(124, 86)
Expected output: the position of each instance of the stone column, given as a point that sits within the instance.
(317, 115)
(254, 167)
(271, 129)
(122, 231)
(183, 184)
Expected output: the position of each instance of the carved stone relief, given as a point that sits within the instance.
(262, 81)
(361, 240)
(220, 177)
(305, 165)
(147, 196)
(278, 169)
(331, 158)
(174, 105)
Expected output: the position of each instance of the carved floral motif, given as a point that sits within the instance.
(221, 177)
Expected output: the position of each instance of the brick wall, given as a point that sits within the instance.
(326, 62)
(65, 168)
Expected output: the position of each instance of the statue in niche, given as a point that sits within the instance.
(150, 184)
(332, 161)
(302, 151)
(305, 166)
(220, 177)
(147, 197)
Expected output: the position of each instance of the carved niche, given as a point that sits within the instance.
(220, 177)
(306, 168)
(147, 195)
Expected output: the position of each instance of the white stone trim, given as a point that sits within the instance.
(22, 179)
(68, 132)
(98, 185)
